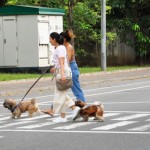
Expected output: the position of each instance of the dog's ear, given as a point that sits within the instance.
(79, 104)
(11, 101)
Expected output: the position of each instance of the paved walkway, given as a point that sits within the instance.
(7, 87)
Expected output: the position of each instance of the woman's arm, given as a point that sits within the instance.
(61, 62)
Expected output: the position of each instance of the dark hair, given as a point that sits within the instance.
(68, 35)
(59, 39)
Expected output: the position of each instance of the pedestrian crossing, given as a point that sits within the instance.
(114, 121)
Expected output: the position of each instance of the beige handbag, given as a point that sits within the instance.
(66, 84)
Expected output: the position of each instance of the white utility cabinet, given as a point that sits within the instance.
(24, 35)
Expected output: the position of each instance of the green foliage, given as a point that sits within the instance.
(132, 18)
(12, 2)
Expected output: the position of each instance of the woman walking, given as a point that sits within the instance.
(61, 99)
(76, 88)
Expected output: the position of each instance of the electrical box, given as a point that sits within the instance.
(24, 35)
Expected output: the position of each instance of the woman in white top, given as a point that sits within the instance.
(61, 99)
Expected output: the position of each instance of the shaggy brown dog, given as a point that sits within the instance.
(17, 109)
(96, 110)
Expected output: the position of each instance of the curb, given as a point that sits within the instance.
(81, 75)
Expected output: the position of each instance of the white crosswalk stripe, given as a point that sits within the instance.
(140, 128)
(4, 118)
(16, 123)
(43, 121)
(37, 125)
(75, 125)
(111, 114)
(131, 117)
(115, 125)
(35, 118)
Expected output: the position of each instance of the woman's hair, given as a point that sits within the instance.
(59, 39)
(68, 35)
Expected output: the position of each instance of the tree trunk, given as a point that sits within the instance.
(70, 21)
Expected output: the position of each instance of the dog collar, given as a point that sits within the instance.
(12, 110)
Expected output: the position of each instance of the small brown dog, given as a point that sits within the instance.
(17, 109)
(96, 110)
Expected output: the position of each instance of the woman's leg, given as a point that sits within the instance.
(59, 101)
(71, 104)
(76, 88)
(59, 105)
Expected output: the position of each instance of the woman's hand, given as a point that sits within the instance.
(63, 78)
(52, 70)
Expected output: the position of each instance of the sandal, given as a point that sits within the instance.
(47, 112)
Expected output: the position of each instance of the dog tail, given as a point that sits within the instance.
(33, 101)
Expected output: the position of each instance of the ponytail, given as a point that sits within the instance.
(68, 35)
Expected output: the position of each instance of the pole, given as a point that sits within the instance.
(103, 35)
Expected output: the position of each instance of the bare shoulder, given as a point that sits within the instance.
(70, 47)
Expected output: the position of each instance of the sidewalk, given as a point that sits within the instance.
(17, 86)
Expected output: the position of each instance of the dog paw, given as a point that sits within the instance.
(12, 117)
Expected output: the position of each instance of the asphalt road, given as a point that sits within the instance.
(126, 125)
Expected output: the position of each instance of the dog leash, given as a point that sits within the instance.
(36, 82)
(31, 88)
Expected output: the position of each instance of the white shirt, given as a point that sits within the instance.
(60, 51)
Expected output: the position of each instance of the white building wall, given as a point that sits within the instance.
(43, 32)
(32, 34)
(27, 32)
(55, 25)
(1, 43)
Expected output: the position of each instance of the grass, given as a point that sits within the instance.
(18, 76)
(98, 69)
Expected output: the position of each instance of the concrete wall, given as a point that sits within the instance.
(119, 53)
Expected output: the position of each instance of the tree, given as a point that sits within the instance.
(132, 17)
(3, 2)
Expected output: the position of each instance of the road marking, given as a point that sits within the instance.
(1, 122)
(76, 131)
(80, 124)
(37, 125)
(117, 91)
(5, 118)
(140, 128)
(143, 102)
(131, 117)
(111, 114)
(34, 118)
(140, 112)
(148, 120)
(16, 123)
(74, 125)
(115, 125)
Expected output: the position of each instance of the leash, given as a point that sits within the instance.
(12, 110)
(30, 88)
(35, 82)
